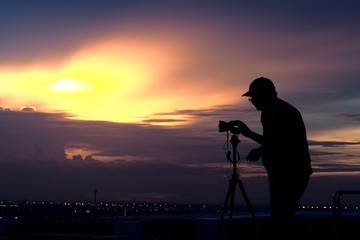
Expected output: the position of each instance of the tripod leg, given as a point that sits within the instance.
(232, 199)
(225, 208)
(248, 204)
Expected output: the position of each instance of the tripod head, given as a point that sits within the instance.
(235, 140)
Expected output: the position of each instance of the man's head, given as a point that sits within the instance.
(261, 91)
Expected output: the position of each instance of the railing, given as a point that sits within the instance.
(337, 210)
(337, 201)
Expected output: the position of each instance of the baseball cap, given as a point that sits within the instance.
(260, 86)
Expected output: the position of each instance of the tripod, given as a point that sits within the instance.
(233, 183)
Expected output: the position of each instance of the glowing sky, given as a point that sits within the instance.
(146, 82)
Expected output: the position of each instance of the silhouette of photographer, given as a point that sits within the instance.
(284, 152)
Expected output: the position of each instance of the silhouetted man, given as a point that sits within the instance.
(284, 152)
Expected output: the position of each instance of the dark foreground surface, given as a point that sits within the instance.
(309, 226)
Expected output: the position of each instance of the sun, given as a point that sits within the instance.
(70, 85)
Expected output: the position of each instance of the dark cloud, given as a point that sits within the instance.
(331, 143)
(334, 156)
(175, 159)
(350, 116)
(217, 111)
(118, 180)
(206, 114)
(29, 136)
(147, 162)
(338, 168)
(163, 120)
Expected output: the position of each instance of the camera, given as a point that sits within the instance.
(232, 126)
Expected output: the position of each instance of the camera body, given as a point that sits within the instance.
(232, 126)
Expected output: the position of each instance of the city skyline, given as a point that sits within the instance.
(126, 97)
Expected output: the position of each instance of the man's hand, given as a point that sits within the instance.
(243, 128)
(254, 155)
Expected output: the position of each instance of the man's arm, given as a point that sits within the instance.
(255, 137)
(246, 131)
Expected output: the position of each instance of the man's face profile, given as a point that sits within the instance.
(257, 101)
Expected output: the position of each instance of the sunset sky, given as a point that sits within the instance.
(137, 89)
